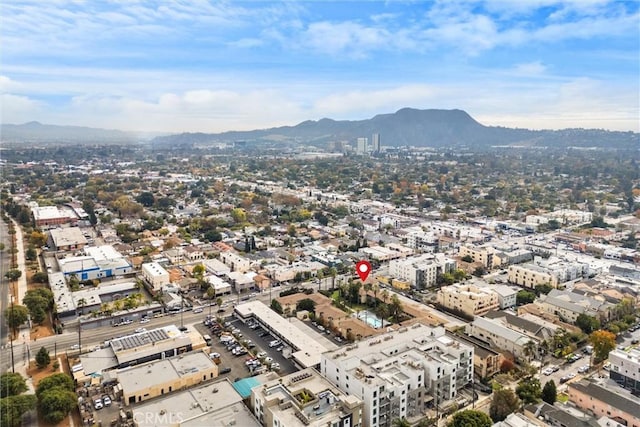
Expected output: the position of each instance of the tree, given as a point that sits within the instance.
(12, 384)
(470, 418)
(31, 254)
(12, 409)
(543, 289)
(39, 301)
(276, 306)
(525, 297)
(146, 199)
(13, 274)
(238, 215)
(467, 258)
(503, 403)
(603, 342)
(587, 323)
(529, 390)
(306, 304)
(401, 422)
(56, 404)
(16, 315)
(549, 392)
(395, 308)
(479, 271)
(40, 277)
(198, 271)
(42, 358)
(529, 349)
(59, 380)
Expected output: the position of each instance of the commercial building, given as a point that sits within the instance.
(99, 262)
(304, 398)
(375, 143)
(153, 379)
(155, 275)
(67, 239)
(625, 368)
(213, 404)
(46, 217)
(235, 262)
(402, 373)
(468, 299)
(362, 146)
(306, 352)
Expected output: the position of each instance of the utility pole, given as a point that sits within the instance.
(181, 308)
(13, 367)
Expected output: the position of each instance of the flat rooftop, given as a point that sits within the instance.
(142, 377)
(215, 404)
(307, 351)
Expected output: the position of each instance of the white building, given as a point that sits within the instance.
(421, 271)
(401, 373)
(625, 368)
(155, 275)
(304, 398)
(499, 336)
(235, 262)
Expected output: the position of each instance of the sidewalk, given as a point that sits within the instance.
(22, 343)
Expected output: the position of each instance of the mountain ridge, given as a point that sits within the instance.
(405, 127)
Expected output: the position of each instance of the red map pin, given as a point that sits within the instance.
(363, 268)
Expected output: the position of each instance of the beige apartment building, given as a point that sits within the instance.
(468, 299)
(530, 276)
(485, 255)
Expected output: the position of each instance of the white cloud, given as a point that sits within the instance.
(530, 68)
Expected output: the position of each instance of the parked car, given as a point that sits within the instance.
(197, 310)
(144, 320)
(106, 400)
(74, 347)
(97, 404)
(225, 370)
(583, 369)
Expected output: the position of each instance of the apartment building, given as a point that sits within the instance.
(402, 373)
(235, 262)
(421, 271)
(625, 368)
(530, 276)
(553, 271)
(569, 305)
(155, 275)
(423, 241)
(304, 398)
(496, 334)
(603, 401)
(468, 299)
(485, 255)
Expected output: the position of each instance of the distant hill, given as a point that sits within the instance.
(411, 127)
(41, 133)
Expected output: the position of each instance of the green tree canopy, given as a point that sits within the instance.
(525, 297)
(16, 315)
(529, 390)
(503, 403)
(276, 306)
(587, 323)
(12, 384)
(13, 274)
(12, 408)
(470, 418)
(549, 392)
(306, 304)
(146, 199)
(56, 403)
(59, 380)
(42, 357)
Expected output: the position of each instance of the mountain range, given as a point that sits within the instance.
(406, 127)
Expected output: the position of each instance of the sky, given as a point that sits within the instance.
(213, 66)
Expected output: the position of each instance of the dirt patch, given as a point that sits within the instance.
(37, 375)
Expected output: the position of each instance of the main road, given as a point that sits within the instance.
(5, 265)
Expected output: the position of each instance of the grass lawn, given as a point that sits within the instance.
(563, 398)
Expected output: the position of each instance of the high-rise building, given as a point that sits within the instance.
(401, 373)
(362, 146)
(375, 143)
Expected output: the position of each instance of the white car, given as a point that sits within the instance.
(97, 404)
(140, 330)
(197, 310)
(74, 347)
(583, 369)
(548, 371)
(144, 320)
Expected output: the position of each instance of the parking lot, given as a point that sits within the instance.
(237, 363)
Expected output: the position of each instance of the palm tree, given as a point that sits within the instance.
(401, 422)
(375, 289)
(385, 295)
(396, 307)
(333, 272)
(367, 288)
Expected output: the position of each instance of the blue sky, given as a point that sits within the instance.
(198, 65)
